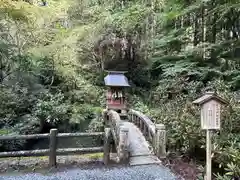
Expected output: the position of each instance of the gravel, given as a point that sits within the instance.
(144, 172)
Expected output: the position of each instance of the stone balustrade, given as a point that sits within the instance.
(119, 133)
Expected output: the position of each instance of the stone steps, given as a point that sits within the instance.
(144, 160)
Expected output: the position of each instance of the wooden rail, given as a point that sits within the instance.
(155, 133)
(43, 136)
(45, 152)
(52, 152)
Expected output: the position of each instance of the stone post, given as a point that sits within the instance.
(106, 148)
(123, 145)
(160, 141)
(105, 117)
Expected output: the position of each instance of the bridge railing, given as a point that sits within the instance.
(53, 151)
(119, 133)
(154, 133)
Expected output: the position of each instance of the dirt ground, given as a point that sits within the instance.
(185, 168)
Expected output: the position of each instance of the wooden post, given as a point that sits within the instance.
(106, 148)
(131, 118)
(141, 124)
(160, 141)
(144, 129)
(138, 122)
(209, 155)
(134, 120)
(149, 135)
(53, 148)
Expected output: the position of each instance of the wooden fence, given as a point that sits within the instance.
(53, 151)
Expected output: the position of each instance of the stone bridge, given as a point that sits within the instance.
(135, 138)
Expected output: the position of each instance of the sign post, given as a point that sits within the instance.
(208, 155)
(210, 105)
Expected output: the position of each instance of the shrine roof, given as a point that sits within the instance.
(116, 78)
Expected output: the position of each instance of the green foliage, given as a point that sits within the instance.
(52, 60)
(131, 19)
(179, 73)
(40, 86)
(52, 109)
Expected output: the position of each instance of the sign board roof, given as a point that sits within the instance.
(209, 96)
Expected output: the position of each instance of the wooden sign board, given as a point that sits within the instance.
(210, 115)
(210, 110)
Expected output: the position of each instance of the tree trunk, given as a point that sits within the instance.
(196, 28)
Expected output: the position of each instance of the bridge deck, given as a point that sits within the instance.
(141, 152)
